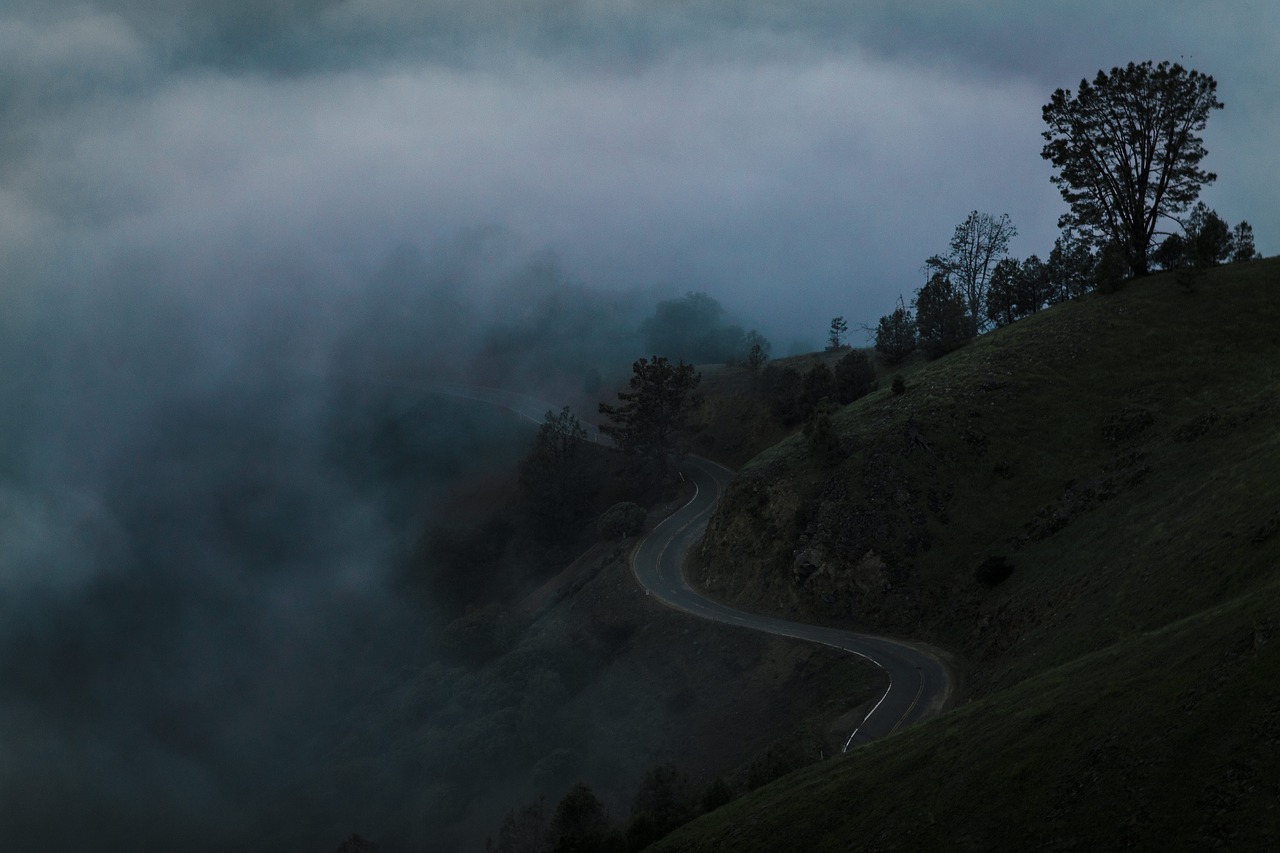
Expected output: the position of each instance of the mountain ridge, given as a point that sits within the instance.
(1119, 453)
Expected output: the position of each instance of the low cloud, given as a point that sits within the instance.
(208, 209)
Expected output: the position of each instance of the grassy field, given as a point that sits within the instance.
(1121, 453)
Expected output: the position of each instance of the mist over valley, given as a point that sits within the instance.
(269, 581)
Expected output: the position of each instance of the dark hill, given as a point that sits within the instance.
(1084, 508)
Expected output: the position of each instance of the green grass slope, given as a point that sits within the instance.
(1168, 740)
(1122, 453)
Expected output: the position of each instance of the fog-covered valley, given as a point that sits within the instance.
(263, 588)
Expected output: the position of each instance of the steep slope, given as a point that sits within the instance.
(1167, 740)
(1121, 453)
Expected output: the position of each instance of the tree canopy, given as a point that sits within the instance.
(1127, 151)
(1206, 241)
(896, 334)
(942, 316)
(692, 328)
(651, 415)
(553, 477)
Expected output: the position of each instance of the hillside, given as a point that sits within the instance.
(585, 679)
(1120, 455)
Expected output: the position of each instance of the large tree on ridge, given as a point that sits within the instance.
(1127, 151)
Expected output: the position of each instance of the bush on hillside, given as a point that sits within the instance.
(824, 442)
(855, 377)
(781, 387)
(993, 571)
(621, 520)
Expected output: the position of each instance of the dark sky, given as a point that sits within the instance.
(794, 160)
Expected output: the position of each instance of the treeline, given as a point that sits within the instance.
(977, 286)
(581, 822)
(664, 801)
(794, 397)
(473, 568)
(1127, 154)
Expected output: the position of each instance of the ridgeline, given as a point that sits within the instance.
(1083, 507)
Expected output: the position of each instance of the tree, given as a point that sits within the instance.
(523, 830)
(692, 328)
(1071, 266)
(1242, 248)
(1208, 237)
(1171, 254)
(662, 803)
(648, 422)
(552, 476)
(819, 384)
(896, 334)
(758, 349)
(1127, 151)
(1033, 288)
(1002, 297)
(855, 377)
(581, 824)
(1019, 289)
(836, 333)
(1112, 269)
(1206, 241)
(781, 387)
(942, 317)
(976, 246)
(820, 432)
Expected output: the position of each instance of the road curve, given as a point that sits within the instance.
(919, 682)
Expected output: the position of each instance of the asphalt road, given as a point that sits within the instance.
(919, 682)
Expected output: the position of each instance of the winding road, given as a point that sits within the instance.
(919, 682)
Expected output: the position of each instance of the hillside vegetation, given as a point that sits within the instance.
(1117, 457)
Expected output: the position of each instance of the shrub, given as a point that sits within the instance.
(824, 443)
(993, 571)
(899, 384)
(621, 520)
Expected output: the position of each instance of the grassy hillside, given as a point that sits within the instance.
(1121, 454)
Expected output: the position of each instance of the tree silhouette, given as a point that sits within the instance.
(977, 246)
(1127, 151)
(648, 422)
(896, 334)
(836, 332)
(942, 317)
